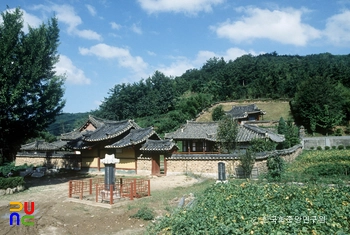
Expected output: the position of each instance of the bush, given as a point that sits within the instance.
(218, 113)
(338, 132)
(144, 213)
(347, 147)
(6, 168)
(319, 148)
(340, 147)
(328, 169)
(11, 182)
(334, 147)
(327, 148)
(275, 166)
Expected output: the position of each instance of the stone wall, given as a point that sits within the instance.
(52, 162)
(207, 164)
(144, 166)
(314, 142)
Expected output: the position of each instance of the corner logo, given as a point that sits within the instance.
(27, 219)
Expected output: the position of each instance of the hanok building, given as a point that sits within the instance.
(98, 137)
(55, 155)
(200, 137)
(246, 113)
(195, 137)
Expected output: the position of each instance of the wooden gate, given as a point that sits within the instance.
(158, 165)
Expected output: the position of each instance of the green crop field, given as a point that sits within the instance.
(260, 207)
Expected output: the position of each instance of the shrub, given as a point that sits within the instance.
(11, 182)
(338, 132)
(328, 169)
(319, 148)
(218, 113)
(334, 147)
(144, 213)
(275, 166)
(327, 148)
(347, 147)
(340, 147)
(312, 148)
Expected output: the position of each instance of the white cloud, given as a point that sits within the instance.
(151, 53)
(28, 19)
(338, 28)
(73, 74)
(91, 9)
(181, 64)
(283, 26)
(123, 56)
(67, 15)
(136, 29)
(187, 6)
(115, 25)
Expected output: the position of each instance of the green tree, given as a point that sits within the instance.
(30, 92)
(227, 134)
(218, 113)
(318, 103)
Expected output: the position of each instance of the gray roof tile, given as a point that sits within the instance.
(42, 145)
(243, 111)
(158, 145)
(208, 131)
(136, 136)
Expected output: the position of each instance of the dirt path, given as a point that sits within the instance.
(54, 215)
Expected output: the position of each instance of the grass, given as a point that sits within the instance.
(161, 199)
(274, 109)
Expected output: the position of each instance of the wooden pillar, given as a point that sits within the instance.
(111, 194)
(98, 163)
(149, 187)
(90, 184)
(70, 188)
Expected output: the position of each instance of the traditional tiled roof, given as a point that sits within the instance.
(195, 130)
(95, 121)
(247, 133)
(79, 143)
(136, 136)
(71, 135)
(208, 131)
(243, 111)
(110, 129)
(158, 145)
(42, 145)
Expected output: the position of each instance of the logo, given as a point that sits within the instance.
(27, 219)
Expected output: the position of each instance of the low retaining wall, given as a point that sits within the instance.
(60, 161)
(314, 142)
(207, 164)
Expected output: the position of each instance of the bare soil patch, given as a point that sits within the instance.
(55, 215)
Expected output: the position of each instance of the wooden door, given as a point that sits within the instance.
(155, 165)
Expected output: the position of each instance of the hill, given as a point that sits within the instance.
(274, 109)
(67, 122)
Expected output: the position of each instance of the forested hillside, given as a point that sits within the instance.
(317, 86)
(67, 122)
(166, 102)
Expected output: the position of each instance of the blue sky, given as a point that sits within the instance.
(108, 42)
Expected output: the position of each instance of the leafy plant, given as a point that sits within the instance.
(244, 207)
(218, 113)
(144, 213)
(11, 182)
(227, 134)
(275, 166)
(247, 162)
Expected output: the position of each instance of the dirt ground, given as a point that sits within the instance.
(55, 215)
